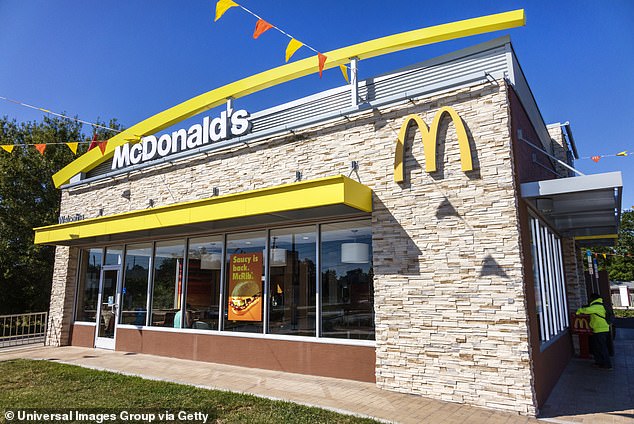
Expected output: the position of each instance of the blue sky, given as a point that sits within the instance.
(131, 59)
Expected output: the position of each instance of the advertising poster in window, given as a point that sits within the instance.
(245, 287)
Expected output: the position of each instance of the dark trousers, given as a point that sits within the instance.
(599, 346)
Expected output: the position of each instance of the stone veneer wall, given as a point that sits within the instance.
(559, 149)
(450, 310)
(62, 296)
(575, 281)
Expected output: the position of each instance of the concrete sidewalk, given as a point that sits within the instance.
(594, 396)
(351, 397)
(583, 394)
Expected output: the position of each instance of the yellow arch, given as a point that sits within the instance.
(288, 72)
(429, 138)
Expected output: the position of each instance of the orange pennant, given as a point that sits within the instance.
(322, 62)
(93, 142)
(596, 158)
(260, 27)
(292, 47)
(40, 148)
(8, 147)
(344, 71)
(222, 6)
(73, 147)
(102, 146)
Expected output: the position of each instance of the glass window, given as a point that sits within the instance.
(245, 271)
(292, 281)
(135, 281)
(347, 292)
(204, 261)
(88, 289)
(549, 281)
(114, 255)
(167, 283)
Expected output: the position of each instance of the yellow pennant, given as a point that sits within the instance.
(344, 71)
(605, 256)
(222, 6)
(623, 153)
(8, 147)
(292, 47)
(73, 147)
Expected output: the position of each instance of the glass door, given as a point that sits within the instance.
(108, 306)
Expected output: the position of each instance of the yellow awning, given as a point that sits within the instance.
(331, 196)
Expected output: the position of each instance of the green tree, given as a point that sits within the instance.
(29, 199)
(621, 266)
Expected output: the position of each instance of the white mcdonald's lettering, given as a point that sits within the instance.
(429, 138)
(228, 124)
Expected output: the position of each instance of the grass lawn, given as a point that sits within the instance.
(40, 385)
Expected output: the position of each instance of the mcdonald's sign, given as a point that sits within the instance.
(429, 137)
(581, 324)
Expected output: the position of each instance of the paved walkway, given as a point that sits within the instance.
(583, 394)
(351, 397)
(590, 395)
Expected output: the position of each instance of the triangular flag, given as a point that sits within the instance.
(344, 71)
(261, 26)
(623, 153)
(222, 6)
(605, 256)
(93, 142)
(8, 147)
(596, 158)
(322, 62)
(73, 147)
(102, 146)
(40, 148)
(292, 47)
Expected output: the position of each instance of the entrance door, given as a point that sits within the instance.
(107, 314)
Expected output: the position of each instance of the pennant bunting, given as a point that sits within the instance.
(8, 147)
(623, 153)
(292, 47)
(596, 158)
(73, 147)
(322, 62)
(260, 27)
(344, 71)
(93, 142)
(605, 256)
(40, 148)
(222, 6)
(102, 146)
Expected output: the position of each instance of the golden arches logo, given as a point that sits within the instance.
(581, 323)
(429, 137)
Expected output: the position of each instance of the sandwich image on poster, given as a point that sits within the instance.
(245, 287)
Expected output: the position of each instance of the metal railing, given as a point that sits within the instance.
(21, 329)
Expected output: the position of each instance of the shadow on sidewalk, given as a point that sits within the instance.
(606, 395)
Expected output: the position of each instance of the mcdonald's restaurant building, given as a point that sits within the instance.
(419, 229)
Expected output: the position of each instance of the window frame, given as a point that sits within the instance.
(224, 235)
(549, 280)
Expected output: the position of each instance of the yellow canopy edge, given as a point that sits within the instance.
(598, 237)
(289, 72)
(338, 190)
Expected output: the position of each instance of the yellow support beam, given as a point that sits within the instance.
(288, 72)
(329, 191)
(599, 237)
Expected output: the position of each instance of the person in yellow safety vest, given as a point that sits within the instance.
(600, 331)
